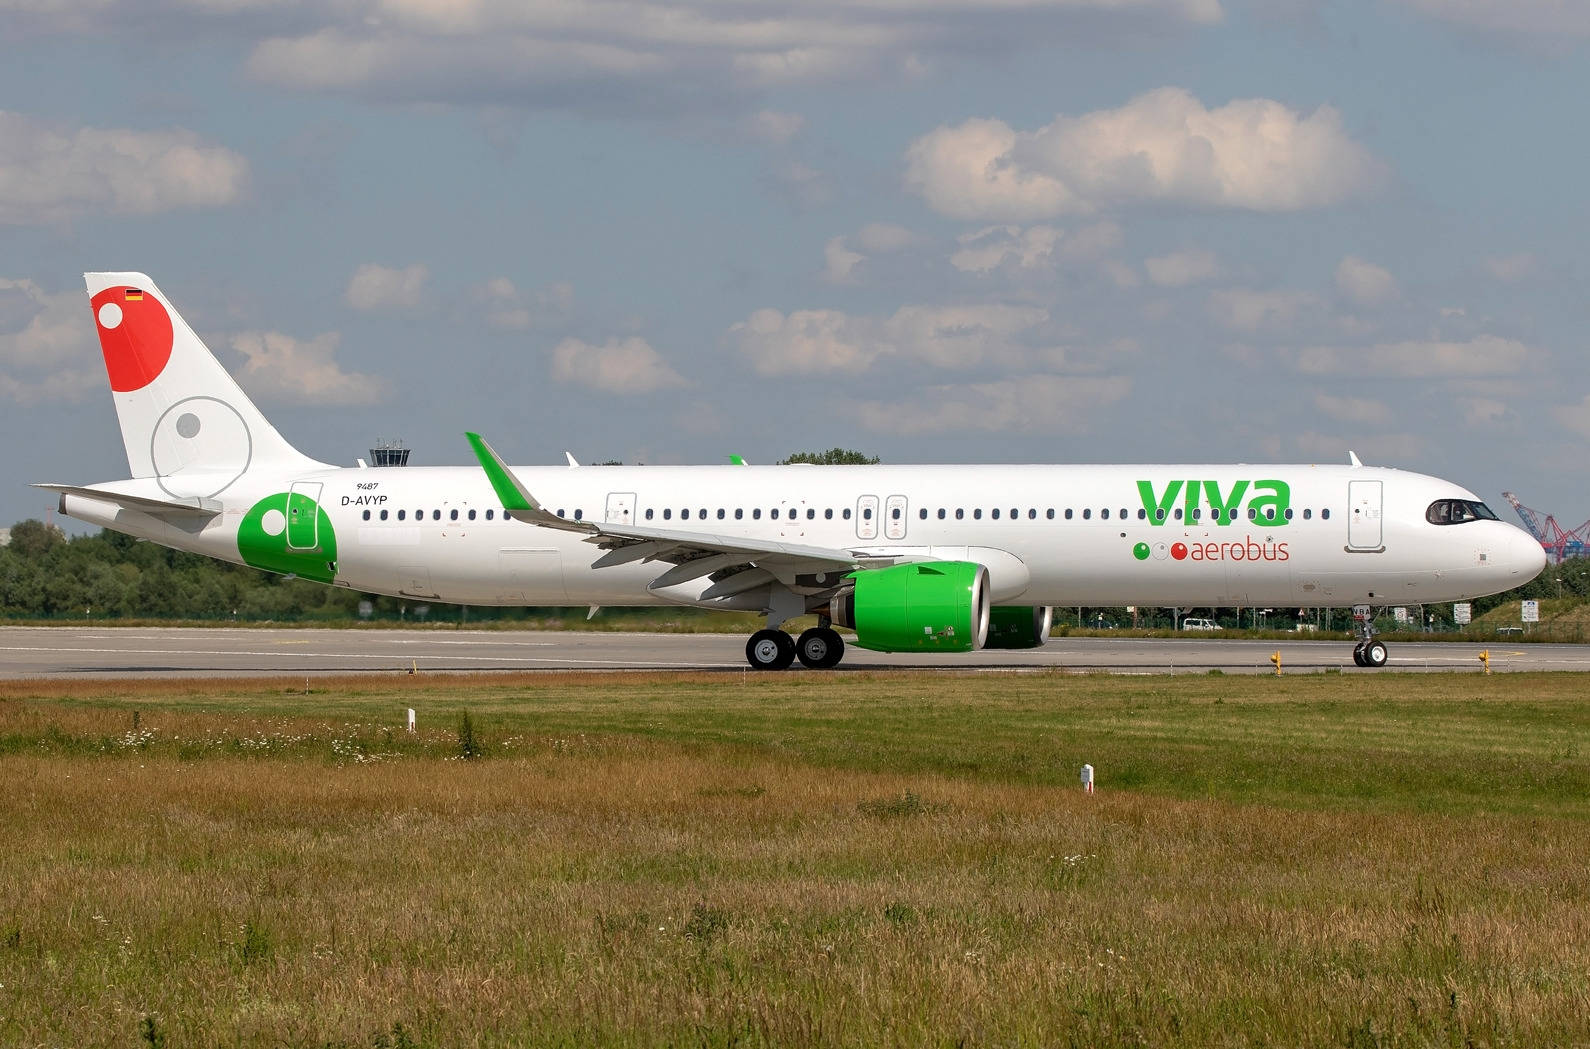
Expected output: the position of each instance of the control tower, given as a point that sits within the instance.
(389, 453)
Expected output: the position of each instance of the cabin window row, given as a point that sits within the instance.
(436, 515)
(943, 513)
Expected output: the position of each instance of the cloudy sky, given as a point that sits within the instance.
(935, 230)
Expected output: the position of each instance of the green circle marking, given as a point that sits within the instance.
(1140, 551)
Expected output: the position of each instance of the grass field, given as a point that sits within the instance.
(841, 859)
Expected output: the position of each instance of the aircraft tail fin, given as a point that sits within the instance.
(184, 420)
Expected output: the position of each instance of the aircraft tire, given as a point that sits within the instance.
(770, 650)
(1358, 654)
(1375, 654)
(820, 648)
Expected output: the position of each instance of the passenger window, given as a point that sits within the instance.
(1159, 513)
(1032, 514)
(773, 513)
(1198, 513)
(668, 513)
(436, 515)
(866, 515)
(1104, 514)
(1269, 515)
(960, 514)
(756, 514)
(1289, 513)
(1178, 513)
(1325, 514)
(828, 514)
(994, 513)
(489, 514)
(402, 514)
(720, 513)
(1068, 513)
(1307, 513)
(367, 515)
(1087, 514)
(922, 514)
(977, 514)
(811, 513)
(579, 514)
(895, 514)
(1253, 515)
(648, 513)
(1123, 513)
(941, 513)
(383, 515)
(845, 513)
(1142, 515)
(472, 514)
(560, 512)
(452, 515)
(684, 515)
(1051, 513)
(739, 513)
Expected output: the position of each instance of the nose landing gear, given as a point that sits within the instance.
(1368, 652)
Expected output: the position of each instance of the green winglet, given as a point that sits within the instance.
(735, 460)
(509, 492)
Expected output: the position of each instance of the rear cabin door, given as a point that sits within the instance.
(303, 515)
(894, 512)
(867, 517)
(1364, 530)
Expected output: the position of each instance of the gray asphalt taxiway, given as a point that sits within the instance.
(64, 651)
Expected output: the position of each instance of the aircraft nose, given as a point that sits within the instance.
(1523, 555)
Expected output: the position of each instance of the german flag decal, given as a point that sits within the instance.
(133, 295)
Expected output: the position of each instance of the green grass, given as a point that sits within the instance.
(840, 859)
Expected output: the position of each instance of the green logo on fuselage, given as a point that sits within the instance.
(290, 534)
(1266, 501)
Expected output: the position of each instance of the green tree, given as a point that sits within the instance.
(33, 538)
(832, 457)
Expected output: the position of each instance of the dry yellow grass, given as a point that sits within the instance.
(333, 885)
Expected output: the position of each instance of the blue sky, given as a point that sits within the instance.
(954, 230)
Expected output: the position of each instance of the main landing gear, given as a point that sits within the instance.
(819, 648)
(1368, 652)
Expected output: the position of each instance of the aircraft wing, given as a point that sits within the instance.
(694, 554)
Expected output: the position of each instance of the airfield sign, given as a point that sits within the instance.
(1531, 611)
(1462, 613)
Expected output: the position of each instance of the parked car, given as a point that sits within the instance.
(1199, 624)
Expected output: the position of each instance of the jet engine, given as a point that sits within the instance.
(1023, 626)
(935, 606)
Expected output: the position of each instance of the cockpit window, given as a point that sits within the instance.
(1457, 511)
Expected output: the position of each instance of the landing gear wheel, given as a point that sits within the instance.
(820, 648)
(770, 650)
(1375, 654)
(1358, 655)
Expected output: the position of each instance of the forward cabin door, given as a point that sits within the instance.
(621, 508)
(1364, 532)
(303, 515)
(894, 510)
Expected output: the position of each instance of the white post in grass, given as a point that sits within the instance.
(411, 719)
(1087, 779)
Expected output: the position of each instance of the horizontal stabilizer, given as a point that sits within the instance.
(194, 507)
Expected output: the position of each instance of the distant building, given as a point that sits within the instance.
(5, 537)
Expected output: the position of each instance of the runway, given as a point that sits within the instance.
(99, 652)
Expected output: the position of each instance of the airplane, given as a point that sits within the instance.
(909, 558)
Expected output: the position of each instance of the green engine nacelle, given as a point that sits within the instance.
(939, 606)
(1025, 626)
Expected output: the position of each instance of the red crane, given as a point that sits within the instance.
(1553, 538)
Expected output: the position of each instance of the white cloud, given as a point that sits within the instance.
(1163, 146)
(1481, 356)
(622, 366)
(617, 55)
(1247, 310)
(47, 345)
(508, 308)
(1181, 268)
(832, 343)
(774, 127)
(1364, 283)
(1544, 17)
(1040, 403)
(1510, 269)
(875, 238)
(995, 247)
(377, 287)
(50, 173)
(281, 366)
(1360, 410)
(1575, 417)
(839, 261)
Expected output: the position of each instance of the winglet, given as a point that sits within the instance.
(735, 460)
(511, 492)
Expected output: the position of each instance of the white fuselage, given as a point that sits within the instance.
(1049, 535)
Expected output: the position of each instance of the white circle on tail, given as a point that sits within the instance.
(274, 522)
(199, 447)
(109, 315)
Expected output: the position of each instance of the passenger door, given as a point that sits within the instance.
(303, 515)
(1364, 532)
